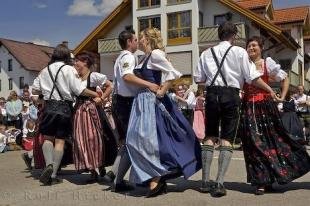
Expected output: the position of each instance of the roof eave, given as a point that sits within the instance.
(103, 24)
(265, 24)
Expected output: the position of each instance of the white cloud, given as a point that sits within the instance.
(92, 7)
(40, 42)
(40, 5)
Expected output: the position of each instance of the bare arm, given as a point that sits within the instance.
(108, 89)
(284, 86)
(258, 82)
(36, 92)
(164, 88)
(89, 93)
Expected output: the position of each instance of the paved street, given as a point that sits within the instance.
(19, 187)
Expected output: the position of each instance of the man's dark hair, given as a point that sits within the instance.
(61, 53)
(125, 35)
(88, 57)
(226, 30)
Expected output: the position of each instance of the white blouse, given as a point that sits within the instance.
(274, 70)
(96, 79)
(158, 61)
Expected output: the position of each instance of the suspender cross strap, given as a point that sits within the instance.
(55, 81)
(219, 66)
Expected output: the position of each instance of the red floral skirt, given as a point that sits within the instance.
(271, 155)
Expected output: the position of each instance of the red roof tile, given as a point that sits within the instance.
(290, 15)
(253, 4)
(31, 56)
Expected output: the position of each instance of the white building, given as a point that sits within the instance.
(20, 63)
(190, 26)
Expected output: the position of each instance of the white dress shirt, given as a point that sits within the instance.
(124, 64)
(68, 82)
(301, 99)
(236, 68)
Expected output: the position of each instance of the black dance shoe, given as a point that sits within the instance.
(102, 171)
(218, 190)
(121, 187)
(260, 191)
(158, 190)
(27, 160)
(46, 174)
(207, 187)
(109, 177)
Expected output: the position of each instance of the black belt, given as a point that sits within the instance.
(217, 88)
(122, 98)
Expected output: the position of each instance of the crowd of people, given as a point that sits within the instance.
(159, 131)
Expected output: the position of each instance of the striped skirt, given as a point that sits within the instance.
(87, 137)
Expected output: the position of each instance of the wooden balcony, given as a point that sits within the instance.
(108, 46)
(209, 35)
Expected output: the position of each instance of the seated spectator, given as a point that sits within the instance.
(3, 114)
(14, 107)
(3, 138)
(25, 112)
(29, 132)
(14, 138)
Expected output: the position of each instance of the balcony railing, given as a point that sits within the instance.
(210, 34)
(108, 45)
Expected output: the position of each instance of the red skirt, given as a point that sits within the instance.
(87, 137)
(39, 162)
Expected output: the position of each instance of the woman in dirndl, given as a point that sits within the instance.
(199, 116)
(94, 144)
(160, 141)
(270, 154)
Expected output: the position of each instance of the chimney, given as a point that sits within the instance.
(65, 43)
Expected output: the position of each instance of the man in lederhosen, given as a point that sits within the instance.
(58, 83)
(126, 85)
(223, 70)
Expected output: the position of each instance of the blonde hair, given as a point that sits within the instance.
(154, 37)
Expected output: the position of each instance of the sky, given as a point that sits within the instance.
(49, 22)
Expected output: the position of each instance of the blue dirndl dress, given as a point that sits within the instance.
(160, 141)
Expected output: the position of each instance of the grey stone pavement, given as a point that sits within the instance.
(19, 187)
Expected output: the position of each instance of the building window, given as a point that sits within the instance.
(179, 28)
(200, 19)
(21, 82)
(10, 66)
(171, 2)
(0, 66)
(148, 3)
(300, 73)
(149, 22)
(10, 84)
(219, 19)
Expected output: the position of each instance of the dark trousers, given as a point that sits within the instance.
(222, 108)
(121, 108)
(189, 115)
